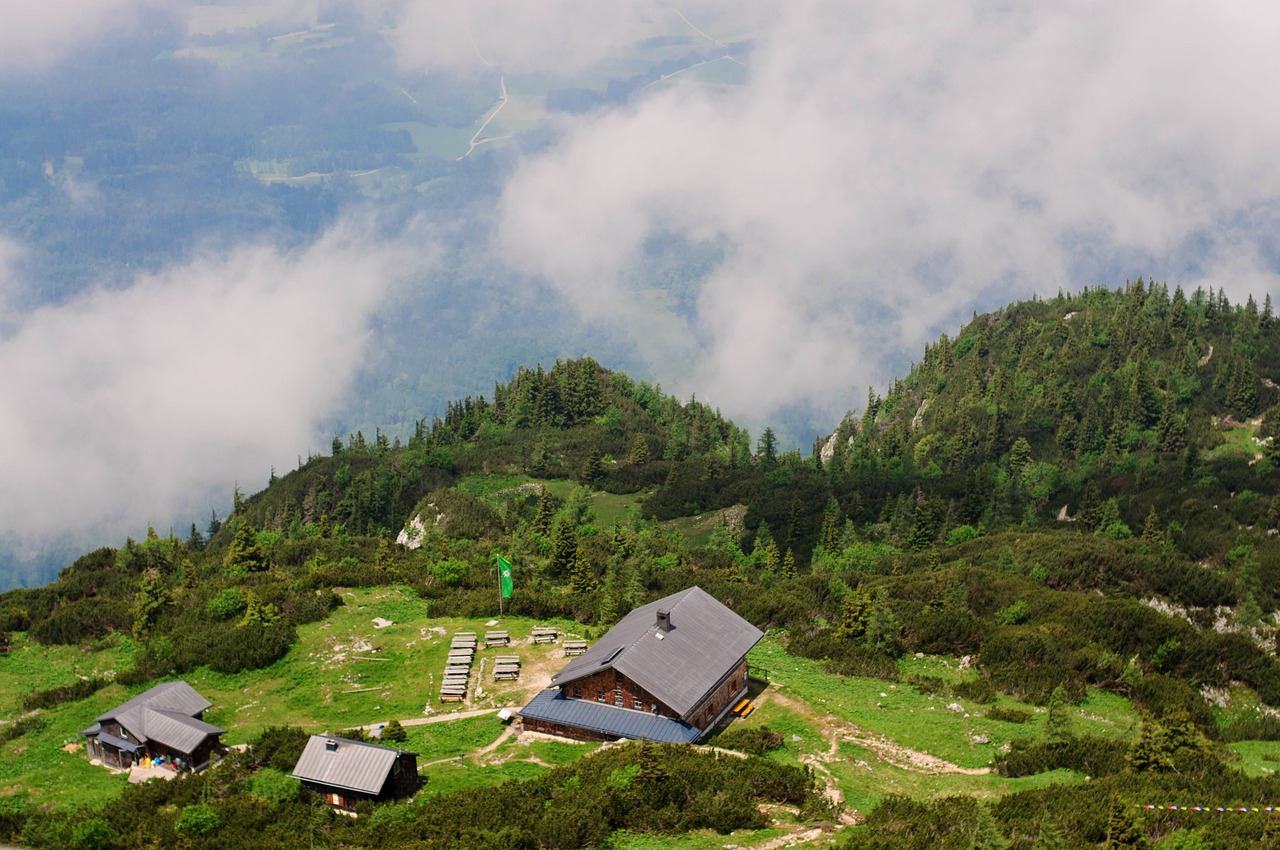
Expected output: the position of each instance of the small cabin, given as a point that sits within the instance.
(345, 772)
(164, 724)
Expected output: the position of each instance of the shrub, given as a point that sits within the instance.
(977, 690)
(197, 818)
(1094, 756)
(1008, 715)
(229, 602)
(756, 740)
(279, 747)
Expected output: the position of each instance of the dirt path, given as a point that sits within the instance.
(435, 718)
(835, 730)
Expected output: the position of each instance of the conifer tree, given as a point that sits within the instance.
(564, 548)
(394, 732)
(987, 835)
(245, 552)
(150, 599)
(593, 467)
(1057, 724)
(639, 450)
(788, 570)
(582, 578)
(542, 519)
(1152, 535)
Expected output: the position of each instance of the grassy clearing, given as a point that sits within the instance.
(700, 840)
(436, 741)
(447, 777)
(345, 672)
(31, 667)
(865, 778)
(36, 770)
(923, 721)
(1257, 758)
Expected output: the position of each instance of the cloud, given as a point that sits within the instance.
(128, 406)
(888, 166)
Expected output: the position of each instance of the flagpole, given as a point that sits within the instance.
(499, 587)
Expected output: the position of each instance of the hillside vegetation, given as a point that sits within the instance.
(1079, 494)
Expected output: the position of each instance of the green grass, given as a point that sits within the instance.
(435, 741)
(447, 777)
(1257, 758)
(703, 839)
(31, 667)
(324, 682)
(923, 722)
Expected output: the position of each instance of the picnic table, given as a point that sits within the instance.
(575, 647)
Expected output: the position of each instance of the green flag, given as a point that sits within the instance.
(504, 576)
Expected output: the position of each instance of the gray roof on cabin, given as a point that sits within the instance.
(165, 714)
(550, 705)
(705, 641)
(171, 696)
(354, 765)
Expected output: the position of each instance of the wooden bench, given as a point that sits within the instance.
(507, 659)
(462, 655)
(496, 639)
(506, 675)
(575, 647)
(750, 709)
(501, 668)
(737, 709)
(545, 634)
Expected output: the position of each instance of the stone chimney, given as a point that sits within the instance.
(664, 620)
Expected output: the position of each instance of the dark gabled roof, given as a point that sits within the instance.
(705, 641)
(353, 765)
(550, 705)
(171, 696)
(165, 713)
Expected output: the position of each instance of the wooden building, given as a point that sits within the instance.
(668, 671)
(164, 722)
(345, 772)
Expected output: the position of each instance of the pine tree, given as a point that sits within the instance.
(987, 835)
(1057, 724)
(593, 467)
(564, 548)
(1121, 831)
(832, 523)
(855, 614)
(1152, 535)
(788, 570)
(639, 450)
(394, 732)
(150, 599)
(1051, 837)
(542, 519)
(582, 578)
(245, 552)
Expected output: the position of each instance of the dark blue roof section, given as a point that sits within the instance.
(108, 738)
(552, 706)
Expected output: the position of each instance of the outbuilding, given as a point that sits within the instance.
(164, 724)
(346, 771)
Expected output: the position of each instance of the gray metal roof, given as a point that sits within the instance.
(705, 641)
(165, 714)
(177, 730)
(353, 765)
(550, 705)
(171, 696)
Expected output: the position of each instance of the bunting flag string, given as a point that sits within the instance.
(1208, 808)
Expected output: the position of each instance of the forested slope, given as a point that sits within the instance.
(1077, 491)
